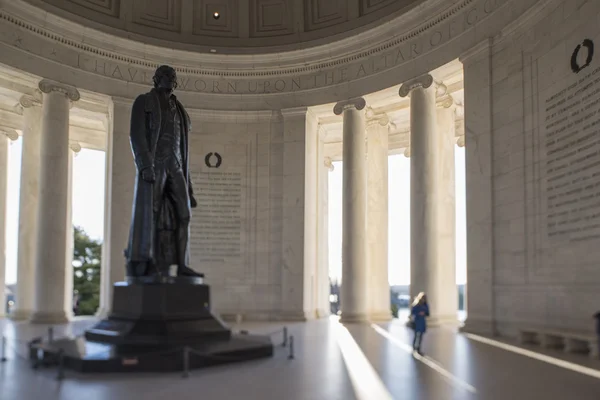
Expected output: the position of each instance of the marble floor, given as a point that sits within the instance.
(332, 361)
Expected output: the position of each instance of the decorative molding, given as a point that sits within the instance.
(407, 152)
(358, 103)
(423, 81)
(460, 141)
(48, 86)
(294, 112)
(280, 70)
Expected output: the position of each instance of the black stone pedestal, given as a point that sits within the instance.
(152, 326)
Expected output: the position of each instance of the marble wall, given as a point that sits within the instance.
(248, 172)
(532, 98)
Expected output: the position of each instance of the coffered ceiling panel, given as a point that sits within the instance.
(108, 7)
(271, 18)
(323, 13)
(368, 6)
(162, 14)
(216, 17)
(242, 26)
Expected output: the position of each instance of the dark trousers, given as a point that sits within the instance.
(418, 338)
(171, 186)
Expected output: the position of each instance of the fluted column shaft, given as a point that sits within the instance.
(446, 272)
(354, 302)
(119, 177)
(74, 149)
(377, 217)
(5, 138)
(430, 271)
(28, 207)
(53, 205)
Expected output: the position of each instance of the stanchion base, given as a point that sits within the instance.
(85, 356)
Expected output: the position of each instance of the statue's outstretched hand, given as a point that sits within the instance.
(148, 174)
(193, 202)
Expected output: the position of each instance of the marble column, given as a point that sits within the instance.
(299, 211)
(74, 149)
(354, 301)
(377, 217)
(323, 165)
(119, 184)
(6, 136)
(28, 206)
(426, 242)
(446, 139)
(51, 244)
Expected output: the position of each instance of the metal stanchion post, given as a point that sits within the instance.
(291, 355)
(285, 336)
(3, 359)
(50, 334)
(61, 365)
(33, 352)
(186, 362)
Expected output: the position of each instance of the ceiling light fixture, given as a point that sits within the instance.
(216, 15)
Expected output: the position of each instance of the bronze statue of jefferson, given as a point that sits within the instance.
(163, 196)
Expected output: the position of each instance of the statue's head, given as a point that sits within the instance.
(165, 77)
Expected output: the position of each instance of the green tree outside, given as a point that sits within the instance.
(87, 255)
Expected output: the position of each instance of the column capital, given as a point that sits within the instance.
(31, 100)
(48, 86)
(373, 118)
(460, 141)
(445, 101)
(358, 102)
(424, 81)
(328, 162)
(75, 147)
(9, 133)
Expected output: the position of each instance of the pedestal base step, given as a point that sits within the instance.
(87, 356)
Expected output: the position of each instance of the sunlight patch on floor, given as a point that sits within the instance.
(532, 354)
(366, 382)
(428, 361)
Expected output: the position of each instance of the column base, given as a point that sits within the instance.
(380, 316)
(352, 318)
(44, 317)
(102, 313)
(484, 327)
(437, 321)
(20, 315)
(322, 313)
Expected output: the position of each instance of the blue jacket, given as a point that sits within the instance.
(419, 314)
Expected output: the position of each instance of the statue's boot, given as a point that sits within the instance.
(182, 270)
(182, 251)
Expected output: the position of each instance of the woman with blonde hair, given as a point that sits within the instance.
(419, 312)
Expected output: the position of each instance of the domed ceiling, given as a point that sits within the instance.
(253, 25)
